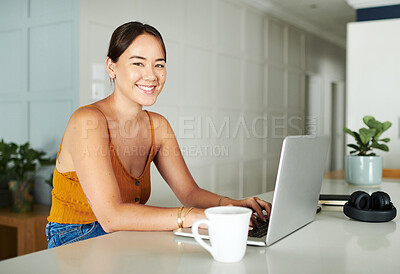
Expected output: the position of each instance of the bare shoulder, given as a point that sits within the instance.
(87, 113)
(87, 117)
(157, 117)
(86, 127)
(162, 127)
(86, 122)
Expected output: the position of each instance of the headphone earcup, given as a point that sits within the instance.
(380, 201)
(360, 200)
(375, 208)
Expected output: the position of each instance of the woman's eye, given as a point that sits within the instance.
(138, 64)
(159, 66)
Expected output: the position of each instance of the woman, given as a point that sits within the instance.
(102, 175)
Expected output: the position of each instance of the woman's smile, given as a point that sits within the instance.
(146, 89)
(140, 70)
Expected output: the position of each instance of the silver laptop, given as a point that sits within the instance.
(297, 189)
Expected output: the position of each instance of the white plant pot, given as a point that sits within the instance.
(363, 170)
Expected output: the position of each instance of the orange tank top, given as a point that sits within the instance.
(69, 203)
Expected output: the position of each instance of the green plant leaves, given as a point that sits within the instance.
(368, 138)
(380, 146)
(20, 162)
(357, 148)
(367, 134)
(367, 119)
(348, 131)
(386, 125)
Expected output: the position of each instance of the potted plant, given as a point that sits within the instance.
(363, 166)
(20, 170)
(5, 159)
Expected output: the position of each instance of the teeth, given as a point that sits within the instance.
(146, 88)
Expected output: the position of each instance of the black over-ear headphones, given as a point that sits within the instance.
(375, 208)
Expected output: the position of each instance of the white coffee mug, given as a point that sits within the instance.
(228, 227)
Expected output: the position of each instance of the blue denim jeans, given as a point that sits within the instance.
(62, 234)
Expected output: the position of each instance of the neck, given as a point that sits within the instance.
(124, 109)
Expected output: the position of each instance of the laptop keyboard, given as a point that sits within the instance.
(261, 230)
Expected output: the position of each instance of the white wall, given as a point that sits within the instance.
(373, 67)
(231, 68)
(38, 75)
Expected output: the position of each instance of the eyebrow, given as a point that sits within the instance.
(143, 58)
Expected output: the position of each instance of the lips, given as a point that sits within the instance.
(146, 89)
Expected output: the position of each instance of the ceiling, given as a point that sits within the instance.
(327, 15)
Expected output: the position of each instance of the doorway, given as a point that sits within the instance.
(325, 114)
(337, 124)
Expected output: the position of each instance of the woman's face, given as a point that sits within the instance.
(140, 70)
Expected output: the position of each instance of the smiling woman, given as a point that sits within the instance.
(140, 64)
(102, 180)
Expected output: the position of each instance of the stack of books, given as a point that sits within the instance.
(333, 199)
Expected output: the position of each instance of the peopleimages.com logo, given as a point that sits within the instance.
(199, 127)
(194, 130)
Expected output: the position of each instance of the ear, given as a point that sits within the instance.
(110, 68)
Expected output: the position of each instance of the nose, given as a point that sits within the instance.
(149, 74)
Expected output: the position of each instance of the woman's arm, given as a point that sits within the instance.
(87, 142)
(172, 166)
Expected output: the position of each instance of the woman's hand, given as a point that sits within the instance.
(254, 203)
(257, 205)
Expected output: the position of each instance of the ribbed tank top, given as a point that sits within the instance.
(69, 203)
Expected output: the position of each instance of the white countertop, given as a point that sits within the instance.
(331, 244)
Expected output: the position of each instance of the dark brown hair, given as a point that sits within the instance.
(125, 34)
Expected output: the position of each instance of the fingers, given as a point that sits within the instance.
(257, 208)
(253, 221)
(259, 205)
(265, 205)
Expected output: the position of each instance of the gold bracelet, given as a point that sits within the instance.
(180, 220)
(187, 212)
(220, 200)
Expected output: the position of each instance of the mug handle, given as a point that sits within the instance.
(195, 231)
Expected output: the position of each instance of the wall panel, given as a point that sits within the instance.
(39, 8)
(50, 58)
(254, 134)
(254, 35)
(229, 133)
(295, 90)
(194, 138)
(252, 177)
(12, 77)
(12, 12)
(228, 179)
(203, 175)
(161, 193)
(276, 49)
(295, 48)
(253, 85)
(13, 121)
(229, 27)
(158, 13)
(228, 82)
(47, 123)
(199, 24)
(198, 89)
(276, 87)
